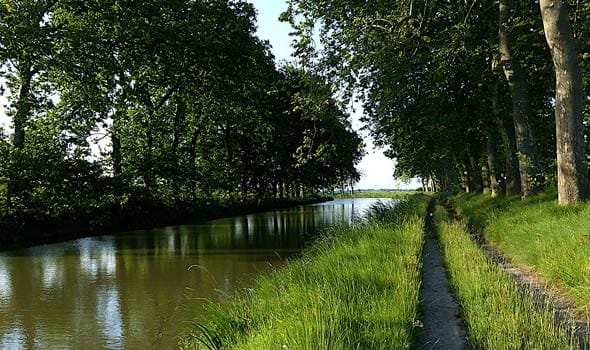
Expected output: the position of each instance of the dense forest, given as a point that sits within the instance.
(472, 95)
(126, 107)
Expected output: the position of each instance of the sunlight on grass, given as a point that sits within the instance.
(498, 315)
(355, 288)
(539, 234)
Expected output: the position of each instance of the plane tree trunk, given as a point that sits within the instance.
(525, 145)
(572, 172)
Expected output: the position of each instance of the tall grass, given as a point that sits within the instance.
(540, 235)
(498, 314)
(355, 288)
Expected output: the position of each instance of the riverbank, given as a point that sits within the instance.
(338, 295)
(36, 229)
(540, 236)
(359, 287)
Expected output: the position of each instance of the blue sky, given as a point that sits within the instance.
(377, 169)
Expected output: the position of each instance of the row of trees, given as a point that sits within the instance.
(486, 95)
(175, 103)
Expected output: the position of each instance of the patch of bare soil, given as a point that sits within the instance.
(443, 328)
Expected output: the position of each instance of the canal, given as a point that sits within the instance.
(135, 290)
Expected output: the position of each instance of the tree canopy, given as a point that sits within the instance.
(462, 93)
(120, 106)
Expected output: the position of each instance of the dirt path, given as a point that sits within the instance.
(443, 329)
(527, 280)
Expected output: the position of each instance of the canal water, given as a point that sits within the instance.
(135, 290)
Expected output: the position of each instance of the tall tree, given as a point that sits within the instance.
(521, 111)
(572, 171)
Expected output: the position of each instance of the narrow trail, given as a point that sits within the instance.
(529, 281)
(443, 329)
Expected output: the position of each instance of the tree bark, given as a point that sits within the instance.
(445, 176)
(116, 141)
(572, 172)
(120, 110)
(192, 159)
(148, 165)
(525, 145)
(178, 117)
(512, 173)
(476, 183)
(23, 107)
(491, 157)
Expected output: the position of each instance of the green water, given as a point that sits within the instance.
(135, 290)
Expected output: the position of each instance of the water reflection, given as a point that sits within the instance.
(132, 290)
(109, 317)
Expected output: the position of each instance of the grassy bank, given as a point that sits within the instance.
(540, 235)
(498, 315)
(355, 288)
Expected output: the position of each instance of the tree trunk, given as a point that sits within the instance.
(444, 176)
(474, 173)
(525, 145)
(463, 175)
(120, 110)
(178, 116)
(492, 171)
(512, 174)
(572, 172)
(433, 182)
(148, 165)
(447, 175)
(23, 107)
(116, 141)
(485, 175)
(192, 158)
(244, 189)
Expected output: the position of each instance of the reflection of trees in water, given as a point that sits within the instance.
(109, 317)
(129, 289)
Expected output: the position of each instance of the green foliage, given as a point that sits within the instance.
(190, 99)
(428, 76)
(337, 296)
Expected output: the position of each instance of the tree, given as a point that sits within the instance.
(525, 144)
(572, 171)
(426, 74)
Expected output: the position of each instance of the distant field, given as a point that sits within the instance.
(376, 194)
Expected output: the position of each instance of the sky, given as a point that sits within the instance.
(376, 169)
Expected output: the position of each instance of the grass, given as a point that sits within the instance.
(355, 288)
(498, 314)
(540, 235)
